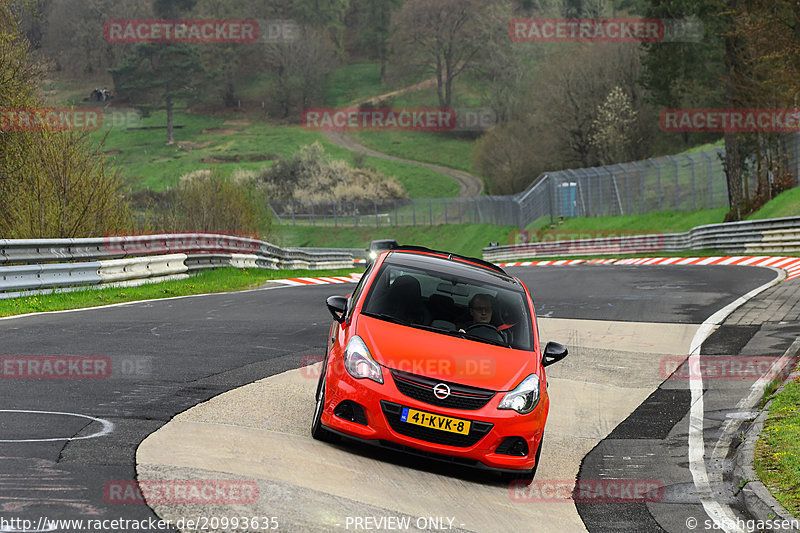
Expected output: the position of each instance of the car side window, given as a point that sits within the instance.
(351, 302)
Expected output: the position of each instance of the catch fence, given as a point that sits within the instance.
(685, 182)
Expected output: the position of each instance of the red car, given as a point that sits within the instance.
(438, 355)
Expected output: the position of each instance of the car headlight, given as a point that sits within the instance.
(524, 398)
(359, 362)
(373, 255)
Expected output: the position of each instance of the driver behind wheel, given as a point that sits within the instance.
(480, 310)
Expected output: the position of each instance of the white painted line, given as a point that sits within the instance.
(107, 428)
(122, 304)
(721, 513)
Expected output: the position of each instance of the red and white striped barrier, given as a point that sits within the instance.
(296, 282)
(790, 264)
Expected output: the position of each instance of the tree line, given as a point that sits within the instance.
(559, 105)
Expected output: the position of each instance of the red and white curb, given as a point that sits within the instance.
(296, 282)
(790, 264)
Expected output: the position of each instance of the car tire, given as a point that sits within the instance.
(524, 477)
(318, 431)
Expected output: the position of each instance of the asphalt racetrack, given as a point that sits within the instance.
(219, 387)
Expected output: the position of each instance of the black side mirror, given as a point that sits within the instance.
(337, 306)
(553, 353)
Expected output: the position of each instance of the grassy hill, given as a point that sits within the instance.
(228, 142)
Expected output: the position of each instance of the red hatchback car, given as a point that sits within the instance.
(438, 355)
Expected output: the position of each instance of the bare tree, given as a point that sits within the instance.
(445, 37)
(300, 66)
(73, 35)
(556, 114)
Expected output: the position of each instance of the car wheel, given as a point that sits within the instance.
(524, 477)
(318, 431)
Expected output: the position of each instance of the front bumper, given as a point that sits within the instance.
(490, 426)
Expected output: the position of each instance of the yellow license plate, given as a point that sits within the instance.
(428, 420)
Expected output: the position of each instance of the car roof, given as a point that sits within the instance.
(383, 241)
(445, 262)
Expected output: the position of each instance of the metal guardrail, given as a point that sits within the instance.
(777, 235)
(29, 267)
(24, 277)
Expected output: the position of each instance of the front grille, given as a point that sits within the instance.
(393, 412)
(421, 388)
(429, 455)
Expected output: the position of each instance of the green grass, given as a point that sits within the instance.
(706, 252)
(786, 204)
(428, 147)
(777, 452)
(205, 282)
(466, 93)
(708, 146)
(465, 239)
(354, 82)
(243, 141)
(661, 222)
(61, 91)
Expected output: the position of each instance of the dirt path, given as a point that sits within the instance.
(470, 185)
(375, 100)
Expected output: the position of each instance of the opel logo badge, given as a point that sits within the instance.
(441, 391)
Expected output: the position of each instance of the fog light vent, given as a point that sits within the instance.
(350, 410)
(516, 446)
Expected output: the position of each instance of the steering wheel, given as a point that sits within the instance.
(486, 331)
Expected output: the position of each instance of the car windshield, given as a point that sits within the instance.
(451, 305)
(383, 245)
